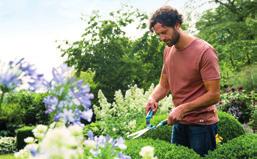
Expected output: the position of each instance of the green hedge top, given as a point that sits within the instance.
(242, 147)
(229, 127)
(162, 149)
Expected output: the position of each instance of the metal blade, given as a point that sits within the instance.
(138, 132)
(142, 133)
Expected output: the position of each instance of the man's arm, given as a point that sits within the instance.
(159, 92)
(212, 96)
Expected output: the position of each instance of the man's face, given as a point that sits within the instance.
(169, 35)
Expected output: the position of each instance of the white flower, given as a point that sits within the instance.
(147, 152)
(29, 140)
(60, 143)
(39, 131)
(132, 124)
(31, 148)
(76, 130)
(23, 153)
(91, 144)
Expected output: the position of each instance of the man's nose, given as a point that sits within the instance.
(162, 38)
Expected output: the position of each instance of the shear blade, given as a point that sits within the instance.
(138, 133)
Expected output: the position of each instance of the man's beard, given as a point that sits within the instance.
(174, 39)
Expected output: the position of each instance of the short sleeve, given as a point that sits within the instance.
(209, 65)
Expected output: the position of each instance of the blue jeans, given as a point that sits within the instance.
(200, 138)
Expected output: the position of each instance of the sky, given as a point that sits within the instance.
(30, 28)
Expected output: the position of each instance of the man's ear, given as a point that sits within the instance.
(177, 26)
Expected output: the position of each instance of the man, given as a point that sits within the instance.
(191, 73)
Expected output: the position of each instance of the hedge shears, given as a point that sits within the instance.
(149, 126)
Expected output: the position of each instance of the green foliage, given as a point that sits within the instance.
(253, 120)
(31, 105)
(126, 113)
(246, 78)
(88, 78)
(23, 108)
(7, 145)
(240, 147)
(229, 127)
(239, 103)
(231, 29)
(161, 133)
(117, 61)
(162, 149)
(21, 134)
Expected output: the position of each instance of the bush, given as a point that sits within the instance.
(240, 147)
(247, 77)
(162, 149)
(162, 133)
(7, 145)
(229, 127)
(253, 121)
(31, 105)
(238, 102)
(22, 108)
(123, 116)
(22, 134)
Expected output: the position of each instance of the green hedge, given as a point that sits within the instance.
(242, 147)
(32, 106)
(22, 108)
(22, 134)
(229, 127)
(162, 149)
(162, 133)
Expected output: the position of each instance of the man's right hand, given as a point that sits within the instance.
(151, 104)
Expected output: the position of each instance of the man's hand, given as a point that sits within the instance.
(176, 114)
(151, 104)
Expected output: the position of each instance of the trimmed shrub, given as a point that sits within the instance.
(244, 146)
(7, 145)
(162, 133)
(22, 134)
(162, 149)
(22, 108)
(31, 105)
(229, 127)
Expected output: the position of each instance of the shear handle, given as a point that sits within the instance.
(149, 116)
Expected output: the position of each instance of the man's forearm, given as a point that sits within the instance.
(205, 100)
(159, 93)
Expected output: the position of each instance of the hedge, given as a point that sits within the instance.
(162, 149)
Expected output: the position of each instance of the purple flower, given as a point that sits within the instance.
(122, 156)
(87, 115)
(50, 103)
(74, 98)
(90, 135)
(9, 80)
(120, 143)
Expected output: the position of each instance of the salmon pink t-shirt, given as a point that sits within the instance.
(186, 70)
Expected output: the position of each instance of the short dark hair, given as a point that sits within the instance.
(166, 16)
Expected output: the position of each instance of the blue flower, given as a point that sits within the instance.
(50, 103)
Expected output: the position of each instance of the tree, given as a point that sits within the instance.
(117, 60)
(231, 28)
